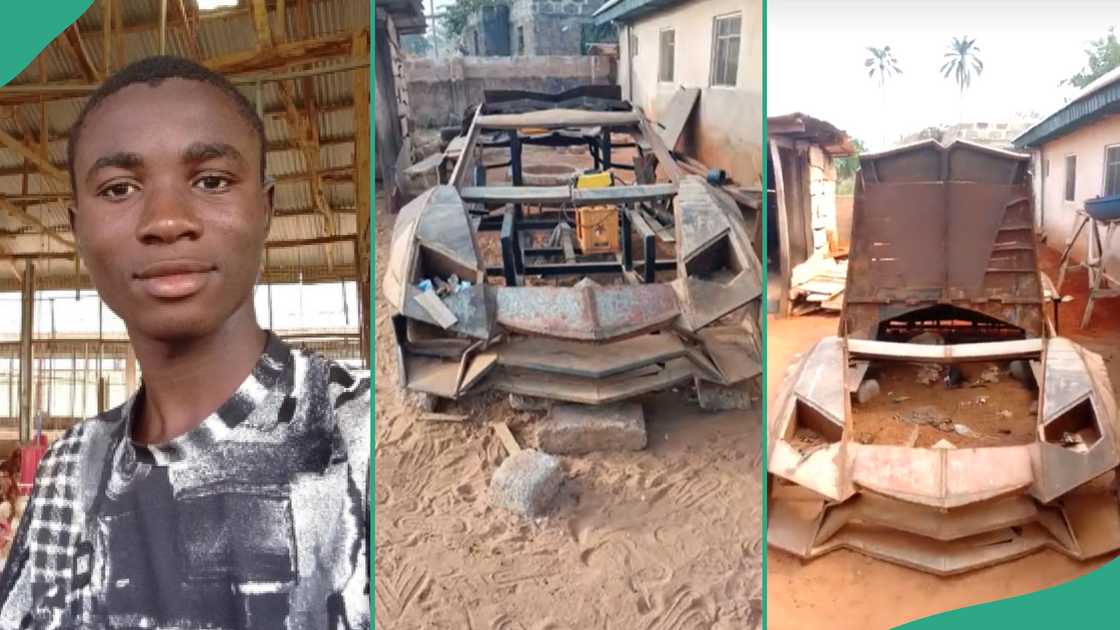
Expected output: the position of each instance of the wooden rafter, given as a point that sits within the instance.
(189, 19)
(360, 86)
(36, 158)
(22, 215)
(81, 54)
(261, 24)
(106, 37)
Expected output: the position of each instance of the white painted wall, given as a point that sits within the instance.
(1088, 144)
(726, 129)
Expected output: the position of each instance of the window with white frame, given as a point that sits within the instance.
(1071, 177)
(1112, 170)
(666, 57)
(726, 36)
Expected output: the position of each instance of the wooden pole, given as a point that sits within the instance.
(360, 47)
(27, 322)
(163, 27)
(130, 370)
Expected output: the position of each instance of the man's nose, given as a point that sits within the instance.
(168, 215)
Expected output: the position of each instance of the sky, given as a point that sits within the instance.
(816, 51)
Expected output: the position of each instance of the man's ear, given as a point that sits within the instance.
(269, 200)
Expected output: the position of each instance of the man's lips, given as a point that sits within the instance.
(174, 279)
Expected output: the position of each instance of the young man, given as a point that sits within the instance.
(232, 490)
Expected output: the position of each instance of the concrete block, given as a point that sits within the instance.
(528, 403)
(713, 397)
(587, 428)
(526, 482)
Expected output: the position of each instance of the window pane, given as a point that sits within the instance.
(1071, 177)
(665, 61)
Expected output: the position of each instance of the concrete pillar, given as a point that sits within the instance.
(26, 330)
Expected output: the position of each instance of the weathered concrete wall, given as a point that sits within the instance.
(1088, 144)
(440, 90)
(726, 129)
(550, 27)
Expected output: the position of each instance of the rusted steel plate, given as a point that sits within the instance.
(592, 391)
(871, 509)
(590, 360)
(591, 313)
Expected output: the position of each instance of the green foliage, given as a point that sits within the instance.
(847, 166)
(962, 61)
(416, 44)
(881, 62)
(1104, 55)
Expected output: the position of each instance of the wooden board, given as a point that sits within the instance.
(672, 121)
(557, 118)
(501, 429)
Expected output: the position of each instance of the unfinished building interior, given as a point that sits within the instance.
(305, 65)
(947, 426)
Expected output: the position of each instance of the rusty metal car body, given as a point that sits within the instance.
(533, 325)
(943, 247)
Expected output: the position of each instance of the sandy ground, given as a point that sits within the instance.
(845, 590)
(666, 538)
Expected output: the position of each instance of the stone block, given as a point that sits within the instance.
(572, 429)
(526, 482)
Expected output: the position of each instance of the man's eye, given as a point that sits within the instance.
(212, 183)
(118, 190)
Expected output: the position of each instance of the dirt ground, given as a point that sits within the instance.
(845, 590)
(666, 538)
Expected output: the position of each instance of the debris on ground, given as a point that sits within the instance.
(962, 429)
(990, 374)
(819, 283)
(1004, 413)
(928, 338)
(528, 403)
(526, 482)
(501, 429)
(912, 439)
(443, 417)
(928, 415)
(943, 443)
(897, 398)
(979, 400)
(867, 390)
(928, 373)
(1020, 370)
(572, 429)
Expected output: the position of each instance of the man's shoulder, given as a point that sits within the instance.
(84, 433)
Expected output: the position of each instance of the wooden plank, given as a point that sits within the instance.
(676, 115)
(664, 157)
(437, 309)
(856, 371)
(443, 417)
(300, 51)
(785, 269)
(466, 160)
(501, 429)
(39, 160)
(362, 184)
(261, 25)
(73, 38)
(558, 119)
(554, 195)
(22, 215)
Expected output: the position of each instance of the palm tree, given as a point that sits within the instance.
(961, 63)
(882, 63)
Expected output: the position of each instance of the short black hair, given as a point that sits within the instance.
(153, 71)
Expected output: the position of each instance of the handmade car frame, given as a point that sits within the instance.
(943, 245)
(636, 324)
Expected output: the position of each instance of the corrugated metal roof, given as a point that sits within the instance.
(1099, 98)
(230, 33)
(630, 10)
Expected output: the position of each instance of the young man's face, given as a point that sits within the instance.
(170, 212)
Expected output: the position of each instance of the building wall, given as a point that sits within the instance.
(726, 127)
(1057, 215)
(441, 90)
(551, 27)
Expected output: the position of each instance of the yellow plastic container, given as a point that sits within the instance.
(597, 226)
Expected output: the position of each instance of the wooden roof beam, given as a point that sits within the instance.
(22, 215)
(81, 54)
(40, 161)
(261, 24)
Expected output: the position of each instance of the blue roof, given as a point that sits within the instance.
(629, 10)
(1099, 99)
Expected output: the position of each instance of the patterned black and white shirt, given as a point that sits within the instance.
(258, 518)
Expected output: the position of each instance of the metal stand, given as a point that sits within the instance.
(1101, 284)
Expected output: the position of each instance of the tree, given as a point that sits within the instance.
(457, 14)
(1104, 55)
(847, 167)
(962, 62)
(882, 63)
